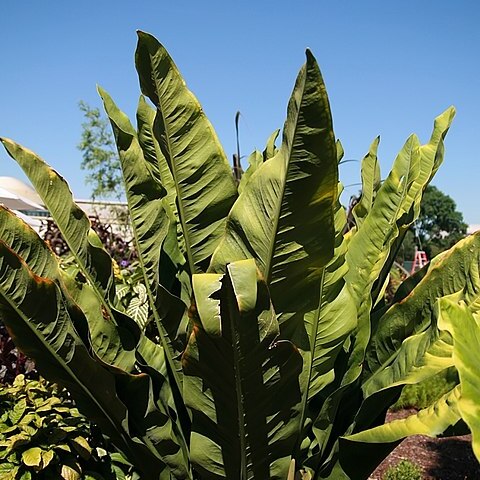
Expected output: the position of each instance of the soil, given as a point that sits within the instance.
(449, 458)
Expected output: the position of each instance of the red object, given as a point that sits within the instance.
(419, 261)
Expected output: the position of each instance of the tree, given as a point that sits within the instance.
(438, 227)
(99, 153)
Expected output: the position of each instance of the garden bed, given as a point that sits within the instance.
(449, 458)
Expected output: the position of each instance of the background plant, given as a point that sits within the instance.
(404, 470)
(42, 435)
(12, 361)
(274, 349)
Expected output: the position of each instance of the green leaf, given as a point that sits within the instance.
(328, 327)
(420, 357)
(358, 452)
(148, 208)
(85, 245)
(47, 328)
(284, 218)
(431, 156)
(155, 160)
(25, 242)
(202, 175)
(270, 149)
(81, 446)
(370, 184)
(138, 306)
(455, 271)
(369, 248)
(33, 457)
(255, 159)
(47, 457)
(8, 471)
(26, 475)
(234, 365)
(465, 329)
(71, 471)
(17, 412)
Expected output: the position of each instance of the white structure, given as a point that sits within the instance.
(23, 200)
(27, 204)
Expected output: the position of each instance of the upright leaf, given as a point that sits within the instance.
(370, 184)
(149, 211)
(327, 327)
(270, 149)
(255, 159)
(431, 156)
(202, 176)
(234, 365)
(284, 217)
(369, 248)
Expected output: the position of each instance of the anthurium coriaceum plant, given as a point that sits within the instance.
(268, 350)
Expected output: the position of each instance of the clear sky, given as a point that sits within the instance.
(390, 68)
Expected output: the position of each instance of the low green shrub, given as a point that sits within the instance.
(42, 435)
(404, 470)
(424, 394)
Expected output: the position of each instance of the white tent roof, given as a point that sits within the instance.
(16, 202)
(20, 189)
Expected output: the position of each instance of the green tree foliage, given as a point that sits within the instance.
(266, 345)
(439, 226)
(100, 157)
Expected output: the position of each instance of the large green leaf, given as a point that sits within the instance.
(151, 220)
(420, 357)
(370, 184)
(397, 203)
(205, 188)
(110, 342)
(93, 260)
(234, 366)
(454, 271)
(369, 248)
(284, 218)
(465, 329)
(361, 452)
(173, 268)
(154, 158)
(327, 327)
(431, 156)
(53, 331)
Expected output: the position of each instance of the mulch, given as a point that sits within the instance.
(448, 458)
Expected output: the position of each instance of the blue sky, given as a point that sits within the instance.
(390, 68)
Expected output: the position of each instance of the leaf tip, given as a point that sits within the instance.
(309, 55)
